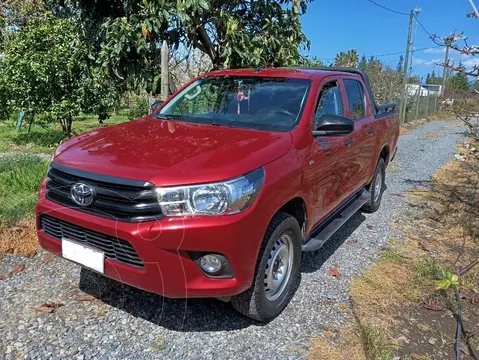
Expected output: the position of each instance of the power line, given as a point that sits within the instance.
(388, 9)
(395, 53)
(423, 27)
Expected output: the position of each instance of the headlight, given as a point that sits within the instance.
(219, 198)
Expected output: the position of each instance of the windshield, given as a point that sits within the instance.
(261, 103)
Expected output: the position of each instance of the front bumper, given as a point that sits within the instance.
(164, 246)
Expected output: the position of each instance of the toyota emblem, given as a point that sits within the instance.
(82, 194)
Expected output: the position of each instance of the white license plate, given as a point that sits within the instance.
(94, 259)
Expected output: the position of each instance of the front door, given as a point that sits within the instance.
(331, 157)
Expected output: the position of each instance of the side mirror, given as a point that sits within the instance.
(331, 125)
(156, 104)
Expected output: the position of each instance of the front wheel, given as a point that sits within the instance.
(277, 271)
(376, 188)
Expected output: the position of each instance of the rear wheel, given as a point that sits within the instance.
(376, 188)
(277, 271)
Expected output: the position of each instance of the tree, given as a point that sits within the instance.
(363, 63)
(459, 81)
(347, 59)
(48, 73)
(231, 33)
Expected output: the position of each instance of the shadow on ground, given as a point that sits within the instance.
(195, 314)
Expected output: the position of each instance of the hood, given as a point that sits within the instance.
(167, 152)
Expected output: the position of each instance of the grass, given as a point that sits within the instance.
(376, 343)
(20, 176)
(442, 232)
(44, 139)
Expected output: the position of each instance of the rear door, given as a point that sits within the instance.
(364, 143)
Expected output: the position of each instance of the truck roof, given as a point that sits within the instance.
(291, 72)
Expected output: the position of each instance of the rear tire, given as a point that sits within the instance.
(277, 271)
(376, 188)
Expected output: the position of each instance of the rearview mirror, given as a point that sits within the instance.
(332, 125)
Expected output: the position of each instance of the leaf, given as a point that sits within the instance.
(352, 241)
(414, 355)
(431, 304)
(3, 277)
(334, 272)
(369, 226)
(47, 258)
(465, 349)
(423, 246)
(49, 307)
(85, 298)
(17, 269)
(470, 296)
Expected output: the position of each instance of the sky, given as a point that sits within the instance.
(339, 25)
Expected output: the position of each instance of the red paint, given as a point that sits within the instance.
(322, 171)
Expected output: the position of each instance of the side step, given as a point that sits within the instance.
(331, 226)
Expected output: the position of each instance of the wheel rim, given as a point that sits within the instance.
(278, 267)
(378, 185)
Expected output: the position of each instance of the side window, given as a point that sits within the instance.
(329, 101)
(355, 94)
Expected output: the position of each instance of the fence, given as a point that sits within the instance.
(422, 100)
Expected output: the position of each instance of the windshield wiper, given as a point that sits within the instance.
(169, 116)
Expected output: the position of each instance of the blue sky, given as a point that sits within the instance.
(338, 25)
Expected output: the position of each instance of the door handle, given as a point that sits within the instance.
(372, 131)
(349, 142)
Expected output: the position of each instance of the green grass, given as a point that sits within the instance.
(20, 177)
(46, 139)
(376, 343)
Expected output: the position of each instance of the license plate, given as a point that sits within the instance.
(94, 259)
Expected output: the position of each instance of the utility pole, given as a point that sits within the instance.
(445, 71)
(402, 106)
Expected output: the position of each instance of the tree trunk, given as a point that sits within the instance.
(67, 126)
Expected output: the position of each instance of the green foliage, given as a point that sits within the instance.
(233, 34)
(363, 63)
(449, 279)
(432, 79)
(139, 109)
(459, 81)
(20, 178)
(49, 73)
(347, 59)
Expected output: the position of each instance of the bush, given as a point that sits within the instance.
(139, 109)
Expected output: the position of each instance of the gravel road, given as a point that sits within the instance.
(129, 323)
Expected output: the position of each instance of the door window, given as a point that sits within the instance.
(355, 94)
(329, 101)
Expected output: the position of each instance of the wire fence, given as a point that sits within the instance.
(423, 100)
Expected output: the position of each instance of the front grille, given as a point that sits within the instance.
(114, 248)
(116, 198)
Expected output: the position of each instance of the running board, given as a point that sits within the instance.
(322, 235)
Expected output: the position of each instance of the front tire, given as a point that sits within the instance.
(376, 188)
(277, 271)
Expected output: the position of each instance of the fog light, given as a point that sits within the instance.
(211, 264)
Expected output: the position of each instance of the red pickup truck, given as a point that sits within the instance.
(218, 192)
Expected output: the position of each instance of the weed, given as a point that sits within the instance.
(427, 270)
(158, 344)
(390, 254)
(375, 342)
